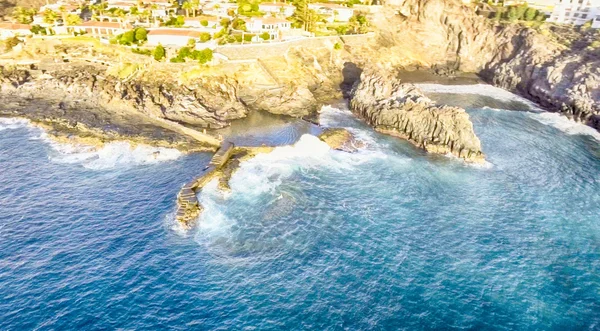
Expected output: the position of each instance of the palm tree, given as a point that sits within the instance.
(187, 6)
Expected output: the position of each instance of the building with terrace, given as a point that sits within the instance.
(576, 12)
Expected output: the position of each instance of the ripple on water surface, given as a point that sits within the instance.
(310, 238)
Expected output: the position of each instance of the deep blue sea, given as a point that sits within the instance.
(388, 238)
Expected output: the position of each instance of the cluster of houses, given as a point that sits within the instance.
(272, 18)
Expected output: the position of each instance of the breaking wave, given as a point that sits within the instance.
(479, 89)
(565, 125)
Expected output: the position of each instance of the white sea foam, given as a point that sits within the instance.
(111, 155)
(564, 124)
(7, 123)
(480, 89)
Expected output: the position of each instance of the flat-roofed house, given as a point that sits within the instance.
(171, 37)
(332, 12)
(277, 8)
(102, 29)
(9, 30)
(271, 25)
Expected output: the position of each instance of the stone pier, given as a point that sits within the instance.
(188, 207)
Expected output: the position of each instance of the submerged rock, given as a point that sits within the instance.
(340, 139)
(402, 110)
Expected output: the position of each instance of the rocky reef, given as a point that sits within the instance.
(401, 110)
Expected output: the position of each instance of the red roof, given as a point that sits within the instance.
(14, 26)
(174, 32)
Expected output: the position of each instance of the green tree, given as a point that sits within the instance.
(238, 24)
(204, 22)
(23, 15)
(141, 34)
(159, 53)
(73, 19)
(187, 6)
(127, 38)
(265, 36)
(50, 16)
(225, 22)
(205, 55)
(305, 16)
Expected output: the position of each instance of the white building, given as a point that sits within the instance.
(576, 12)
(273, 26)
(332, 12)
(9, 30)
(102, 29)
(277, 9)
(171, 37)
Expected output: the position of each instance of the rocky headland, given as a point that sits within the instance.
(401, 110)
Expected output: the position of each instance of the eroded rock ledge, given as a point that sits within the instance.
(401, 110)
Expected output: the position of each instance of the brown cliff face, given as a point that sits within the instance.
(445, 35)
(402, 110)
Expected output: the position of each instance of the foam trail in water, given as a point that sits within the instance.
(265, 173)
(111, 155)
(480, 89)
(565, 125)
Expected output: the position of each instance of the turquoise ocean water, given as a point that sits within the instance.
(388, 238)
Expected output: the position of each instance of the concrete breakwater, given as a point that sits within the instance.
(188, 207)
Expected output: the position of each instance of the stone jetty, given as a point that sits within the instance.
(188, 207)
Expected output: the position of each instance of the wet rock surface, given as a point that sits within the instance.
(401, 110)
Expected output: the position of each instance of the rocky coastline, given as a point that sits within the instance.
(401, 110)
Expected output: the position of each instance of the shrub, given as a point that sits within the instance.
(225, 22)
(265, 36)
(204, 23)
(159, 53)
(530, 14)
(127, 38)
(177, 59)
(337, 46)
(204, 37)
(205, 55)
(248, 37)
(238, 38)
(10, 43)
(142, 51)
(184, 52)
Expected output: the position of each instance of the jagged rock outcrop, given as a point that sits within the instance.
(560, 78)
(402, 110)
